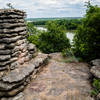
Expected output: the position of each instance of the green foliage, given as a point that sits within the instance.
(87, 37)
(96, 86)
(54, 40)
(70, 24)
(33, 34)
(40, 22)
(31, 29)
(63, 52)
(33, 39)
(70, 59)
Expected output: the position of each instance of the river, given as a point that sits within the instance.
(69, 34)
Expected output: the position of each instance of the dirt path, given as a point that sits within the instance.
(60, 81)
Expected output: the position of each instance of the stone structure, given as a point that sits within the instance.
(16, 63)
(95, 71)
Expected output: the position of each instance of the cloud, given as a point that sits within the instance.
(49, 8)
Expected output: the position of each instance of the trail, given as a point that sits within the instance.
(60, 81)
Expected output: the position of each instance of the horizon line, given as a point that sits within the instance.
(55, 17)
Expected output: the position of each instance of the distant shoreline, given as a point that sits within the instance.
(52, 18)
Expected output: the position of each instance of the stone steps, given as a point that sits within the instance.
(16, 80)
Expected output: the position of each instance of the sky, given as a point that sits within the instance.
(50, 8)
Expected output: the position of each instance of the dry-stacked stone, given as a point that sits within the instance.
(16, 64)
(13, 45)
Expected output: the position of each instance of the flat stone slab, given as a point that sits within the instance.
(11, 21)
(95, 62)
(11, 11)
(95, 70)
(18, 74)
(14, 81)
(15, 30)
(10, 40)
(31, 46)
(4, 57)
(5, 52)
(60, 81)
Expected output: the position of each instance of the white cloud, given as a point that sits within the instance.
(44, 8)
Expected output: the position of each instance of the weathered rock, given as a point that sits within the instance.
(27, 58)
(13, 59)
(98, 96)
(16, 50)
(32, 52)
(7, 86)
(11, 83)
(5, 52)
(4, 68)
(4, 25)
(11, 11)
(10, 46)
(20, 96)
(95, 62)
(4, 57)
(13, 92)
(20, 42)
(95, 70)
(2, 46)
(23, 54)
(18, 74)
(10, 40)
(14, 65)
(12, 21)
(23, 46)
(31, 46)
(15, 30)
(4, 63)
(11, 17)
(24, 49)
(16, 53)
(21, 60)
(8, 35)
(22, 33)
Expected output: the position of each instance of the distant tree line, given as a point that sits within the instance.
(71, 24)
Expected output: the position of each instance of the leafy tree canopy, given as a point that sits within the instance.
(87, 37)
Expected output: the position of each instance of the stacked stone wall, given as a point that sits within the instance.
(17, 65)
(14, 47)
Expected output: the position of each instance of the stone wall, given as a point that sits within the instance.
(14, 47)
(17, 65)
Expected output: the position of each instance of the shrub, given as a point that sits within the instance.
(96, 86)
(87, 37)
(33, 34)
(54, 40)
